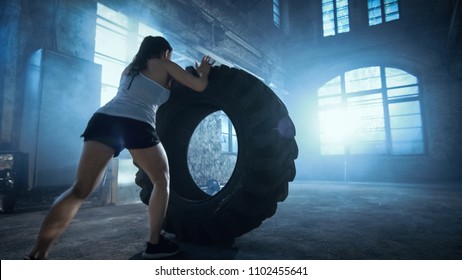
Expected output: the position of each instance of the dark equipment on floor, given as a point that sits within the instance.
(13, 179)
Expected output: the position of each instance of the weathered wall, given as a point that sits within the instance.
(64, 26)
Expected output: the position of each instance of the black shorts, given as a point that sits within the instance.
(119, 132)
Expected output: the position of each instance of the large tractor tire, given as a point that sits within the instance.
(265, 161)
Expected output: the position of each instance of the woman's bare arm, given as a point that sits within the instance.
(187, 79)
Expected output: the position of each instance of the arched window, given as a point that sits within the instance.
(371, 110)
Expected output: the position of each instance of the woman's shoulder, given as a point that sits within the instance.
(156, 62)
(158, 66)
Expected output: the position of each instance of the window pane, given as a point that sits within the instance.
(341, 4)
(363, 79)
(407, 141)
(375, 17)
(224, 142)
(390, 17)
(234, 144)
(328, 17)
(112, 15)
(365, 114)
(406, 128)
(375, 12)
(373, 4)
(327, 5)
(342, 12)
(227, 128)
(332, 128)
(391, 10)
(397, 77)
(405, 121)
(332, 87)
(224, 133)
(111, 26)
(405, 115)
(276, 21)
(117, 47)
(402, 108)
(111, 70)
(224, 124)
(275, 10)
(397, 93)
(276, 13)
(329, 32)
(343, 21)
(343, 25)
(330, 101)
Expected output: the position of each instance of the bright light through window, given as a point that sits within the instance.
(372, 110)
(117, 40)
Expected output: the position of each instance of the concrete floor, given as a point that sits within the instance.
(318, 221)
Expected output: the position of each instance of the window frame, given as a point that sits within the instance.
(230, 134)
(386, 100)
(277, 13)
(383, 12)
(337, 29)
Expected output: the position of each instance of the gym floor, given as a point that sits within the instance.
(317, 221)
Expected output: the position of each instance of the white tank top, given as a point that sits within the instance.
(138, 97)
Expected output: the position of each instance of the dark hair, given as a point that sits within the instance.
(151, 47)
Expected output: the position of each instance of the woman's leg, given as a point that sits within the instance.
(154, 162)
(93, 162)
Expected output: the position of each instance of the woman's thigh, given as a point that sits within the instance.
(93, 162)
(153, 161)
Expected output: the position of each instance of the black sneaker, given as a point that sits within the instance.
(165, 248)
